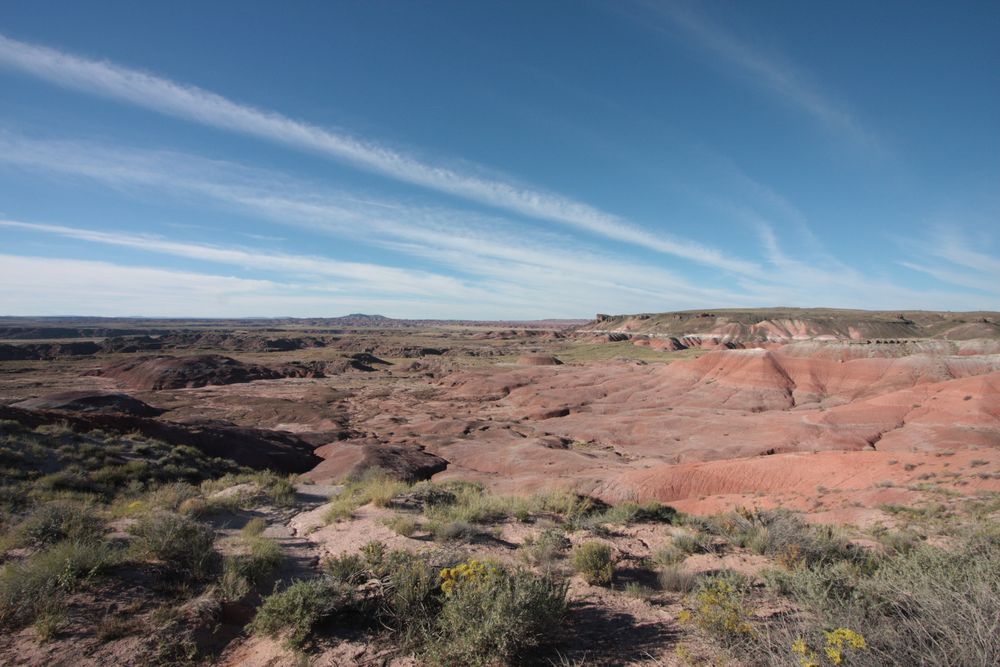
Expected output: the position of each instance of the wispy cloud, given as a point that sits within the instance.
(956, 277)
(504, 268)
(195, 104)
(957, 251)
(46, 286)
(541, 266)
(357, 276)
(768, 70)
(947, 256)
(820, 284)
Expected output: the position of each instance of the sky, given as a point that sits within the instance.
(488, 160)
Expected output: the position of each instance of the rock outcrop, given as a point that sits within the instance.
(93, 402)
(784, 325)
(167, 372)
(538, 360)
(251, 447)
(345, 459)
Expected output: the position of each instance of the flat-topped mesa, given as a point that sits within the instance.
(783, 325)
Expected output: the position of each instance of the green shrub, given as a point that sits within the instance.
(634, 589)
(431, 494)
(73, 481)
(200, 507)
(448, 618)
(280, 491)
(402, 525)
(402, 593)
(263, 486)
(27, 589)
(452, 530)
(55, 429)
(592, 560)
(227, 481)
(931, 606)
(788, 538)
(628, 513)
(669, 554)
(719, 609)
(170, 496)
(48, 624)
(57, 521)
(687, 543)
(495, 616)
(545, 548)
(674, 579)
(466, 502)
(265, 555)
(374, 486)
(471, 504)
(182, 544)
(254, 527)
(297, 610)
(837, 646)
(233, 585)
(407, 590)
(410, 596)
(655, 512)
(575, 509)
(380, 491)
(899, 541)
(823, 584)
(923, 606)
(342, 508)
(348, 568)
(374, 553)
(257, 558)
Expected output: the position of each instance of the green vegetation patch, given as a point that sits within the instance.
(473, 613)
(50, 462)
(592, 560)
(37, 585)
(180, 543)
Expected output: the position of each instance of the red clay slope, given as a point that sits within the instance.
(739, 403)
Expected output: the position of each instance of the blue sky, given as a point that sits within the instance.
(497, 160)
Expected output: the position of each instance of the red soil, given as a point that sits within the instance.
(859, 406)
